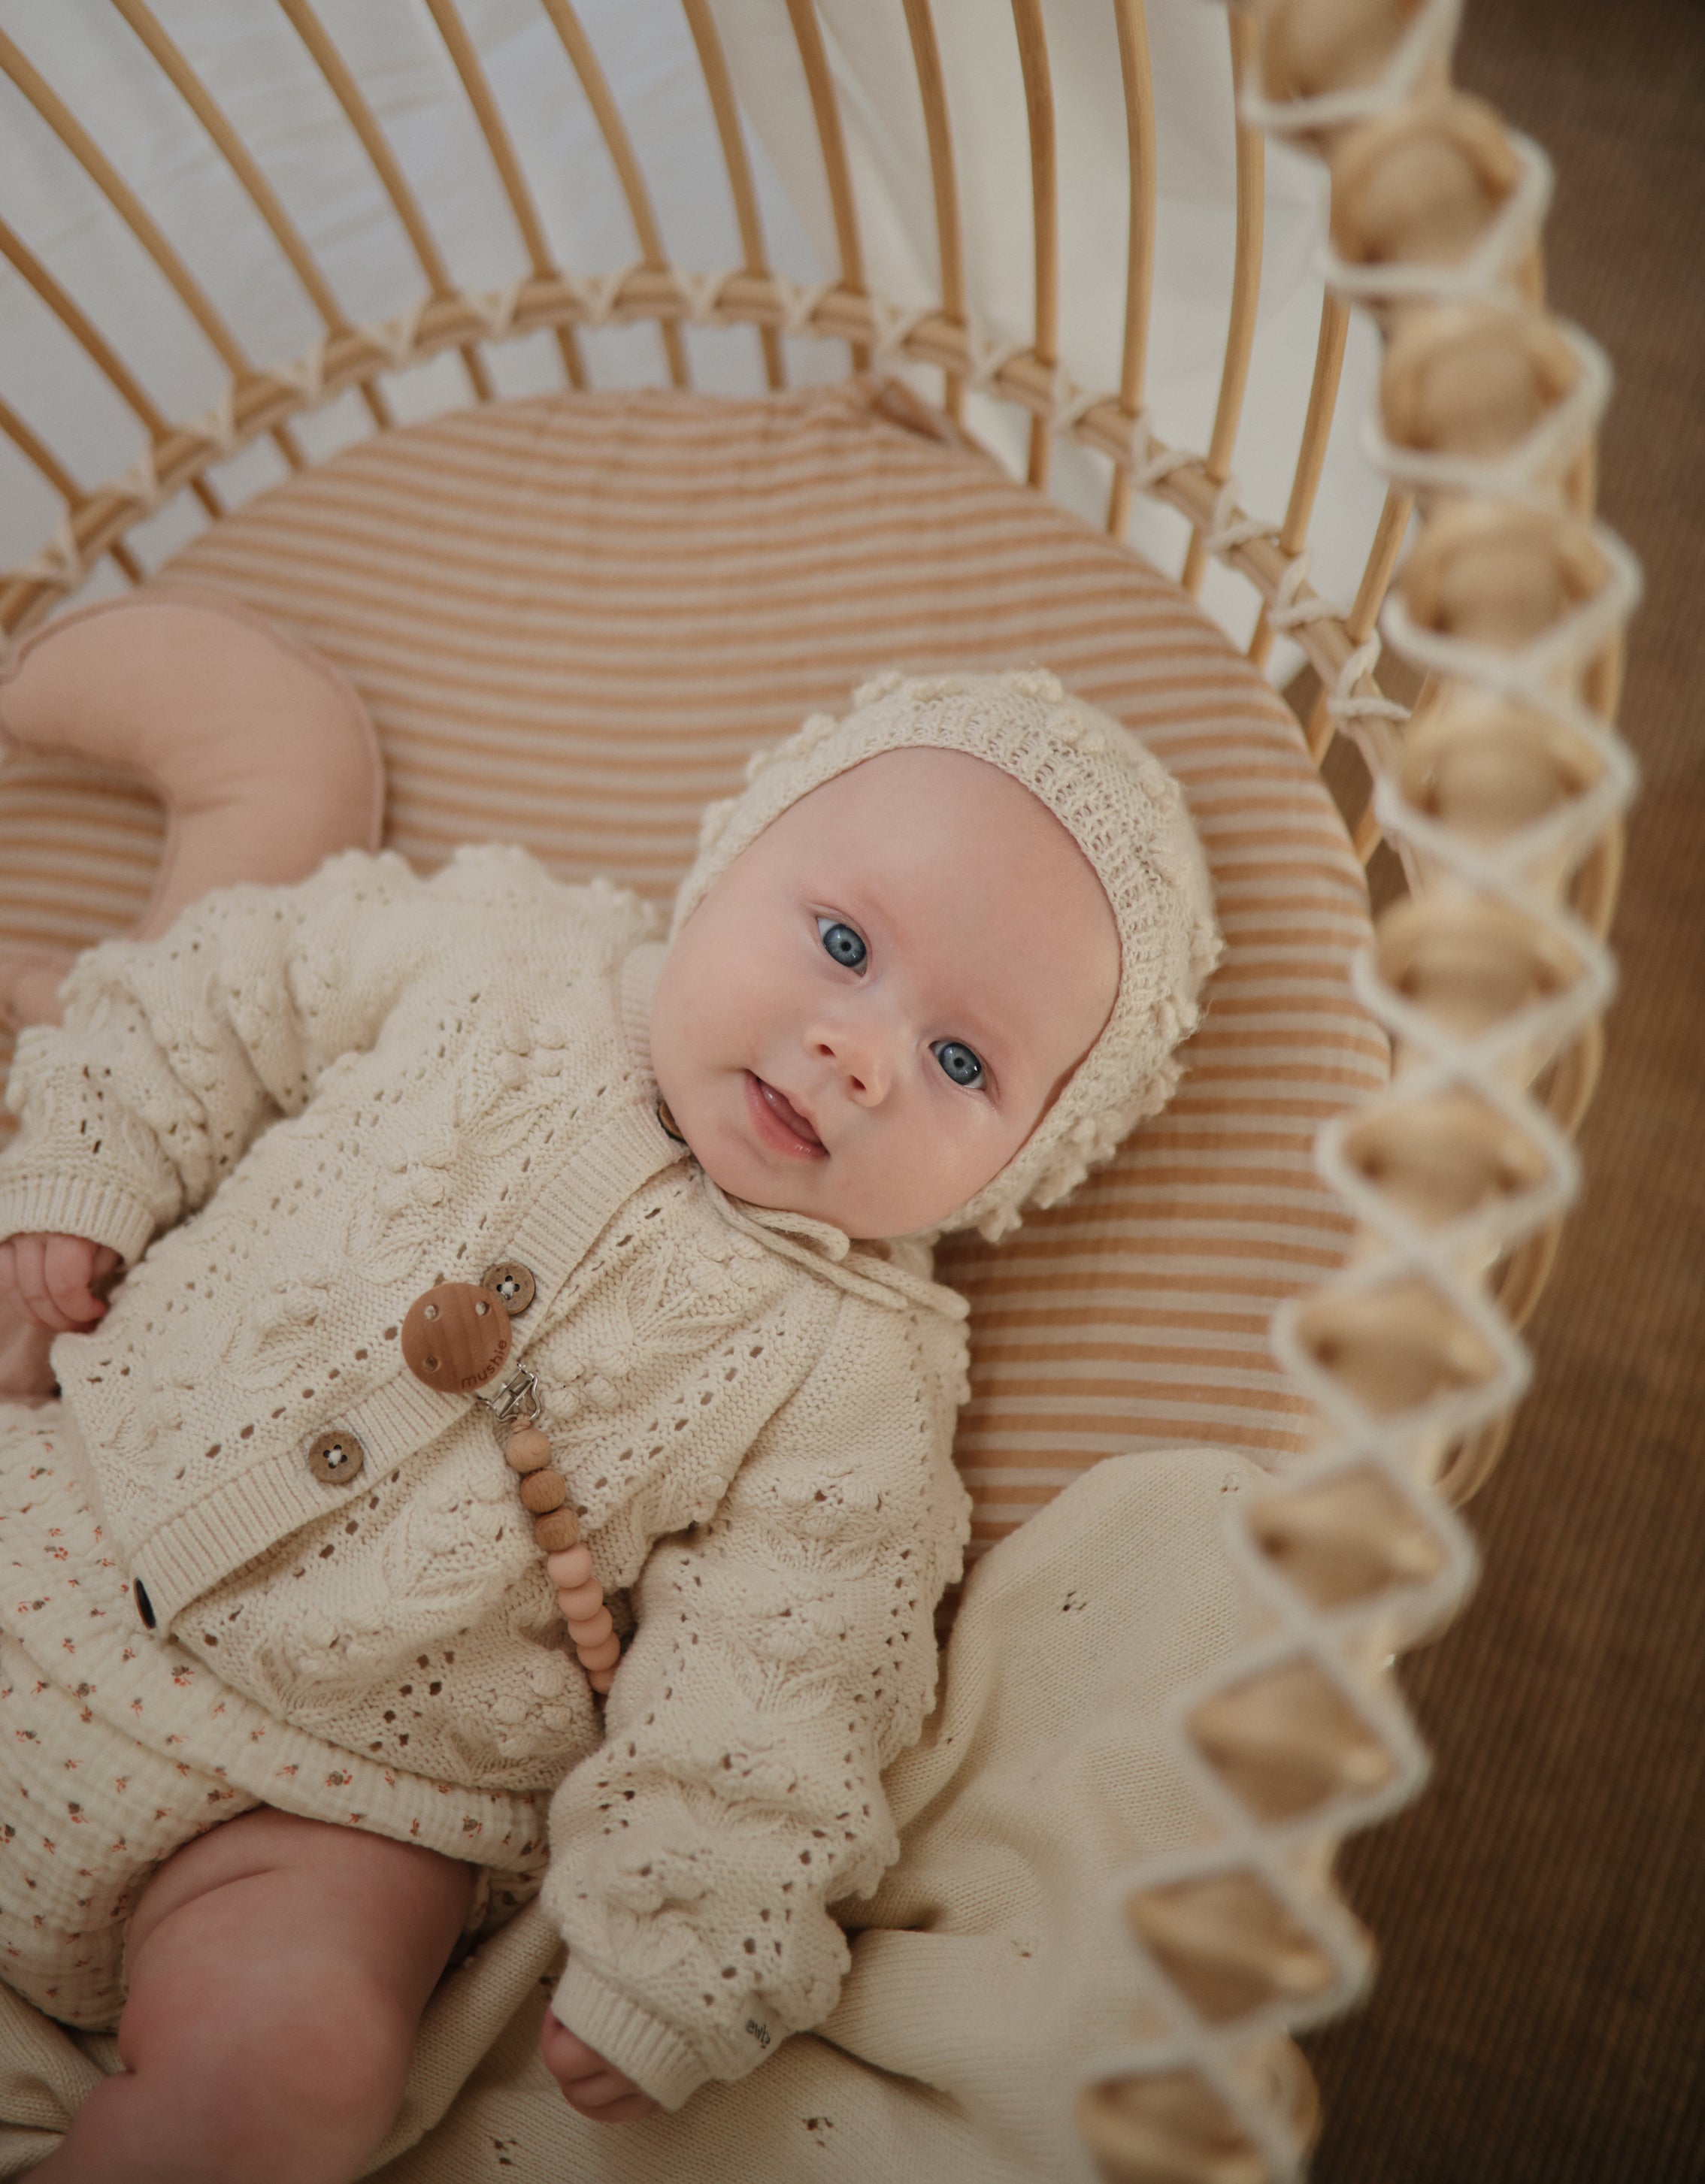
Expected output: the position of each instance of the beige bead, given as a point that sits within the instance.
(580, 1600)
(572, 1567)
(593, 1631)
(526, 1449)
(560, 1528)
(601, 1656)
(600, 1679)
(542, 1492)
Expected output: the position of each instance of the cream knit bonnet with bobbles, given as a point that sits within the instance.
(1126, 814)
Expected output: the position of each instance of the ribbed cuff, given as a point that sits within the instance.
(73, 1205)
(657, 2060)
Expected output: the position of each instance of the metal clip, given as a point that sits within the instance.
(518, 1398)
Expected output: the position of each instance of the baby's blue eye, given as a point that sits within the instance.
(842, 943)
(960, 1062)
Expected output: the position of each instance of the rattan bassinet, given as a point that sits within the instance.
(1489, 812)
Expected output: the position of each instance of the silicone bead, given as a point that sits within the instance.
(582, 1601)
(542, 1492)
(602, 1657)
(526, 1449)
(600, 1679)
(593, 1631)
(571, 1566)
(560, 1528)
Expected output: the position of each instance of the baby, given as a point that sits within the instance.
(291, 1707)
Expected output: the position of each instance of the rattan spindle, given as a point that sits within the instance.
(465, 60)
(1317, 432)
(99, 351)
(1045, 187)
(38, 453)
(1136, 82)
(1246, 292)
(713, 67)
(260, 192)
(926, 59)
(807, 35)
(129, 207)
(1376, 580)
(578, 46)
(359, 115)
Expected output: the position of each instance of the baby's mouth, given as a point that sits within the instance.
(779, 1123)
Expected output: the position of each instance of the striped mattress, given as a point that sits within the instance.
(572, 617)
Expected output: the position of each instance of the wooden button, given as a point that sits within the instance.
(144, 1606)
(456, 1338)
(335, 1458)
(511, 1283)
(526, 1449)
(542, 1492)
(560, 1528)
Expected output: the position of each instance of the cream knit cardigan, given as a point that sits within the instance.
(319, 1100)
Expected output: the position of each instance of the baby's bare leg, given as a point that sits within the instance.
(278, 1968)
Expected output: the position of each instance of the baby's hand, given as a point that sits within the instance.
(589, 2083)
(49, 1280)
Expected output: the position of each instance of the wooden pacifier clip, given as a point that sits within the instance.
(456, 1338)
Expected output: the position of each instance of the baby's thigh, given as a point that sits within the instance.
(286, 1961)
(87, 1814)
(302, 1890)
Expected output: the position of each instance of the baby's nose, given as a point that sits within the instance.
(861, 1056)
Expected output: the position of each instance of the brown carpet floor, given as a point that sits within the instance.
(1539, 2013)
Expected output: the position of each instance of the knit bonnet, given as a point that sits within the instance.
(1126, 814)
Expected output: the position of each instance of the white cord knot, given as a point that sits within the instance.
(1290, 611)
(1229, 526)
(495, 309)
(703, 293)
(895, 326)
(216, 428)
(596, 294)
(799, 305)
(1345, 704)
(989, 358)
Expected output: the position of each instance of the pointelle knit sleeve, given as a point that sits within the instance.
(784, 1655)
(175, 1054)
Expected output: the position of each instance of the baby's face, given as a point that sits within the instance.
(879, 999)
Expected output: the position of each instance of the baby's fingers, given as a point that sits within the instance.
(595, 2088)
(37, 1306)
(71, 1264)
(567, 2056)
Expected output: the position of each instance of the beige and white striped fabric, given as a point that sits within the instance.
(572, 617)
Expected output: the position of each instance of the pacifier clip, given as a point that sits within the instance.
(456, 1338)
